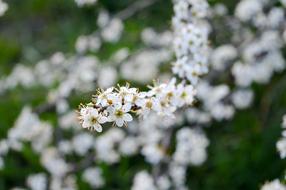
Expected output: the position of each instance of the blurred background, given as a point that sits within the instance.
(53, 56)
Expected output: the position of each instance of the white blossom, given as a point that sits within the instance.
(93, 176)
(273, 185)
(143, 181)
(92, 119)
(37, 181)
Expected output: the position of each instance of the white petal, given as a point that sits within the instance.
(83, 111)
(85, 124)
(102, 119)
(109, 90)
(126, 107)
(94, 112)
(156, 106)
(117, 105)
(119, 122)
(98, 128)
(111, 118)
(140, 102)
(110, 109)
(129, 97)
(103, 102)
(127, 117)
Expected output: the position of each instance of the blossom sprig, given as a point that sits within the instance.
(190, 39)
(117, 105)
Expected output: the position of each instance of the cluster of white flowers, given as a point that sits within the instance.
(248, 9)
(29, 128)
(93, 176)
(191, 147)
(105, 146)
(87, 43)
(190, 39)
(222, 56)
(37, 181)
(149, 61)
(190, 44)
(143, 181)
(117, 104)
(261, 58)
(247, 56)
(253, 11)
(53, 162)
(3, 7)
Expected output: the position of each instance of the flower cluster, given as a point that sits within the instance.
(190, 45)
(249, 53)
(118, 104)
(190, 39)
(191, 147)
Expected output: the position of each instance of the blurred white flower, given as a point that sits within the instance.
(248, 9)
(93, 176)
(143, 181)
(3, 7)
(65, 147)
(37, 181)
(273, 185)
(28, 127)
(153, 153)
(242, 98)
(107, 77)
(112, 32)
(129, 146)
(191, 147)
(222, 55)
(52, 161)
(82, 143)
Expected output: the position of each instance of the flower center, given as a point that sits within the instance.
(149, 104)
(170, 94)
(109, 102)
(184, 95)
(119, 113)
(93, 120)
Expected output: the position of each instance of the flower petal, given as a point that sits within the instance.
(102, 119)
(85, 124)
(126, 107)
(97, 127)
(111, 118)
(119, 122)
(127, 117)
(94, 112)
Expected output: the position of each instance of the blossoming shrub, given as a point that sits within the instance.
(200, 95)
